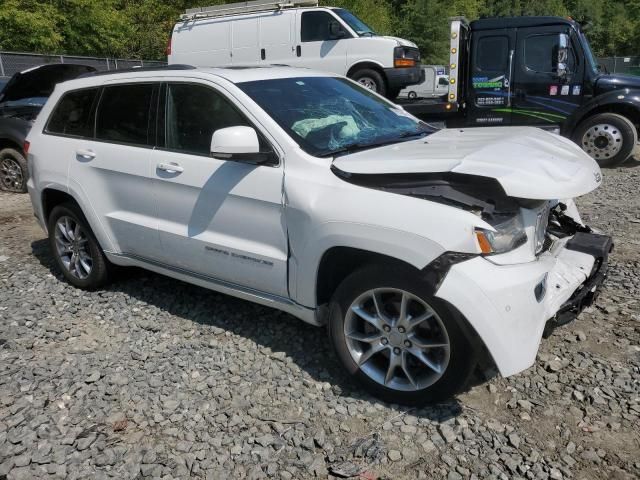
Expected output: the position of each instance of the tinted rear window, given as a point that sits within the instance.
(123, 114)
(72, 115)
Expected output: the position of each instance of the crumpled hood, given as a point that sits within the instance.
(40, 81)
(526, 161)
(401, 41)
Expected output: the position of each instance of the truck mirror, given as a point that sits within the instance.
(563, 56)
(336, 31)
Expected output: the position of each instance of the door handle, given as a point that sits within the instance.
(170, 167)
(86, 154)
(263, 54)
(298, 51)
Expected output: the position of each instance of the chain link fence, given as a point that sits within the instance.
(13, 62)
(630, 65)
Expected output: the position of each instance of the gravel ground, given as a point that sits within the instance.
(154, 378)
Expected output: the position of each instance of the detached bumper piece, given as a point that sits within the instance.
(598, 246)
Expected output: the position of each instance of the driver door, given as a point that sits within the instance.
(541, 96)
(317, 48)
(220, 219)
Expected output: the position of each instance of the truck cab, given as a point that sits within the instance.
(540, 71)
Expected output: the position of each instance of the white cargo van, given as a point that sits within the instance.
(300, 34)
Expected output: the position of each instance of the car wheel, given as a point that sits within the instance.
(401, 343)
(608, 138)
(75, 248)
(13, 171)
(413, 95)
(371, 79)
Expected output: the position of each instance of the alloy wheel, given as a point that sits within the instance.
(602, 141)
(397, 339)
(72, 245)
(11, 175)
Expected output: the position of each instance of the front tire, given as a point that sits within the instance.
(608, 138)
(76, 249)
(398, 341)
(371, 79)
(13, 171)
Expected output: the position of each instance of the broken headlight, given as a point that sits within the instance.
(509, 234)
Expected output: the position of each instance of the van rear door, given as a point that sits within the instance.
(277, 37)
(245, 48)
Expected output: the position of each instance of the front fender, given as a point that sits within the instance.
(401, 245)
(626, 97)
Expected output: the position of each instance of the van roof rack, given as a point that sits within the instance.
(250, 6)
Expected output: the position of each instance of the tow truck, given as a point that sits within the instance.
(536, 71)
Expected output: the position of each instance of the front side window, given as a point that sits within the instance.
(123, 114)
(541, 53)
(329, 115)
(72, 115)
(315, 26)
(358, 26)
(193, 113)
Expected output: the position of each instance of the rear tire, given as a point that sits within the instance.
(608, 138)
(76, 249)
(420, 356)
(13, 171)
(371, 79)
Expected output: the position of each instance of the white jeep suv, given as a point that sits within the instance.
(425, 252)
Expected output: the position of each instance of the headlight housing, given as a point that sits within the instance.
(509, 234)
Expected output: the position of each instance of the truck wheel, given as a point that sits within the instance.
(75, 248)
(608, 138)
(370, 79)
(402, 344)
(412, 95)
(13, 171)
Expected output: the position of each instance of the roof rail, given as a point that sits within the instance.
(160, 68)
(249, 6)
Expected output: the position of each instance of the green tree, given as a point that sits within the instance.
(30, 26)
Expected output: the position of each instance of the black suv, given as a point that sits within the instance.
(21, 99)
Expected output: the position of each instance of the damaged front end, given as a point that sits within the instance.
(552, 229)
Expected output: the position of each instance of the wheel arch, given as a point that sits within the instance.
(360, 65)
(6, 142)
(610, 102)
(54, 195)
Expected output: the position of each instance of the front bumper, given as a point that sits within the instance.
(398, 78)
(509, 306)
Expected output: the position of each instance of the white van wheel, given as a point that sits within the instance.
(371, 80)
(412, 95)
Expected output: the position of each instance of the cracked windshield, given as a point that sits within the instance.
(329, 116)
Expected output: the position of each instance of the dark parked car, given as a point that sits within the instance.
(21, 99)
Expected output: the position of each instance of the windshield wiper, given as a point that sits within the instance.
(356, 147)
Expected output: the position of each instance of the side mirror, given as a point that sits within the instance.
(336, 31)
(239, 144)
(562, 71)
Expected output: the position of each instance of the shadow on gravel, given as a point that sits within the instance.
(306, 345)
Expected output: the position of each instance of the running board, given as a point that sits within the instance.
(284, 304)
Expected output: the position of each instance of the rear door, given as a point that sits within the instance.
(220, 219)
(541, 98)
(490, 74)
(112, 169)
(245, 49)
(277, 37)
